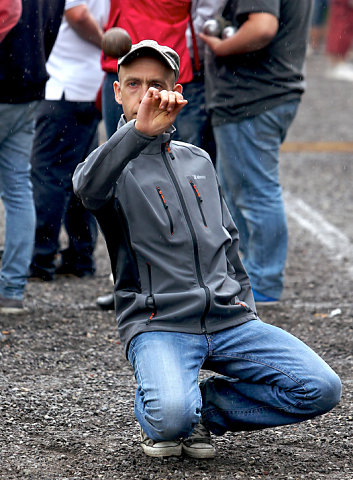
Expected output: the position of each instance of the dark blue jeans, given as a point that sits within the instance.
(66, 132)
(193, 124)
(111, 110)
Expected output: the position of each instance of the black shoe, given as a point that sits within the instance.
(37, 274)
(67, 269)
(106, 302)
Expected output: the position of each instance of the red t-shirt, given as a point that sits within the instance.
(160, 20)
(10, 12)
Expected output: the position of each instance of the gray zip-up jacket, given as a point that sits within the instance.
(172, 243)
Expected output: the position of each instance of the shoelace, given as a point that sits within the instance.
(200, 433)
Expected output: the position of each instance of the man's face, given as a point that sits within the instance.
(136, 78)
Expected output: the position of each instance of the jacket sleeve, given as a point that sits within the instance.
(233, 257)
(95, 178)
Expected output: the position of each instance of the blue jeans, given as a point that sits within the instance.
(319, 14)
(248, 168)
(66, 132)
(193, 124)
(16, 137)
(267, 378)
(111, 110)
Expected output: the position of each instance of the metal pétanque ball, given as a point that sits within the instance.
(211, 27)
(116, 42)
(228, 31)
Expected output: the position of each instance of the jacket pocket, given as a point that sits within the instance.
(199, 201)
(150, 301)
(166, 208)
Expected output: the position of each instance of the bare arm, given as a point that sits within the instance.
(82, 21)
(256, 33)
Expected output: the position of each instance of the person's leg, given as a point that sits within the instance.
(166, 366)
(271, 379)
(16, 137)
(81, 227)
(340, 30)
(339, 40)
(111, 110)
(193, 122)
(63, 132)
(231, 184)
(318, 23)
(248, 162)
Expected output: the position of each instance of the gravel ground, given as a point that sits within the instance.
(67, 391)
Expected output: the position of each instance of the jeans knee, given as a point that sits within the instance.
(172, 420)
(326, 394)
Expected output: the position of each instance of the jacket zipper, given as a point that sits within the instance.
(193, 236)
(150, 296)
(166, 208)
(199, 201)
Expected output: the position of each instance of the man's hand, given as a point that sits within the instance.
(212, 42)
(254, 34)
(158, 111)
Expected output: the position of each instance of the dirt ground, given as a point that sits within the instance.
(67, 391)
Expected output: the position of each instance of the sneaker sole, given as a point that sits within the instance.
(199, 453)
(12, 310)
(269, 303)
(162, 451)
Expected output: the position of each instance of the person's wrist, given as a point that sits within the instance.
(141, 130)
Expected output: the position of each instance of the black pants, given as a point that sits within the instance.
(66, 132)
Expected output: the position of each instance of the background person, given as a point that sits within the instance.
(10, 12)
(339, 40)
(23, 76)
(66, 131)
(254, 82)
(169, 26)
(318, 24)
(193, 124)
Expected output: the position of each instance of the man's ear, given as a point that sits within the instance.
(117, 92)
(178, 88)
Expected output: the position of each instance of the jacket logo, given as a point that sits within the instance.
(199, 177)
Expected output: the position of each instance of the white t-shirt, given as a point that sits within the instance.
(74, 64)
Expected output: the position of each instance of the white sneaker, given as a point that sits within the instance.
(341, 71)
(160, 449)
(199, 444)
